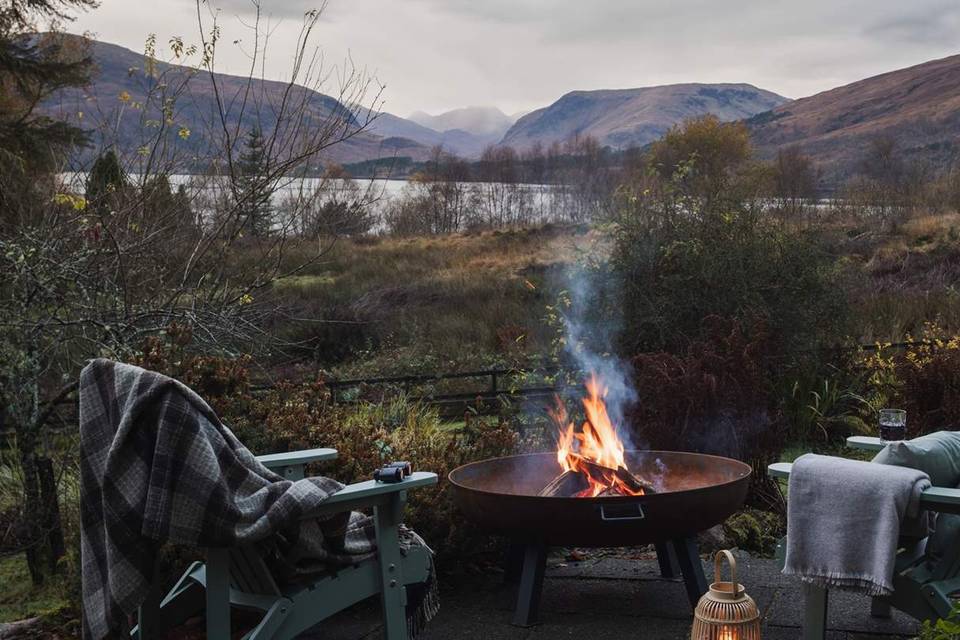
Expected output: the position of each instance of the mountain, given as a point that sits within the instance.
(120, 84)
(623, 118)
(459, 142)
(485, 122)
(918, 107)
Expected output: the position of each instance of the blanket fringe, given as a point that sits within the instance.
(861, 583)
(417, 620)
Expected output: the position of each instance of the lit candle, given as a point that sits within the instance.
(728, 633)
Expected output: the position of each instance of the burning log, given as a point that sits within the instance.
(633, 481)
(568, 483)
(589, 473)
(607, 476)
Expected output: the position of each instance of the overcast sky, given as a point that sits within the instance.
(518, 55)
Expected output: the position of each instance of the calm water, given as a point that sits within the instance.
(537, 201)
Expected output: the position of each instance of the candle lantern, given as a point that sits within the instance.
(726, 612)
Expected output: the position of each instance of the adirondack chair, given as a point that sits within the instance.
(239, 577)
(926, 572)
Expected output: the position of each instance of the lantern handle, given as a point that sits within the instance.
(733, 570)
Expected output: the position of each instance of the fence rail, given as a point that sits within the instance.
(486, 393)
(492, 387)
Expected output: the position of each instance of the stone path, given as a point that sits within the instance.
(617, 596)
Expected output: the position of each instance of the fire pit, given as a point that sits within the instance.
(667, 499)
(696, 492)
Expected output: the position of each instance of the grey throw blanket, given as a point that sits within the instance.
(843, 521)
(158, 466)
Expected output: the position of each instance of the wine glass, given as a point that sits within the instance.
(893, 425)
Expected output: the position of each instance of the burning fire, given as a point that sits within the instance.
(595, 451)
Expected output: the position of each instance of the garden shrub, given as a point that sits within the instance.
(713, 398)
(923, 379)
(827, 404)
(289, 416)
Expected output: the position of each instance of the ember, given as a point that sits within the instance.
(592, 459)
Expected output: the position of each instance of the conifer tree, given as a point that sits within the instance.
(105, 180)
(255, 190)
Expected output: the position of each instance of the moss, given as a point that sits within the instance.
(755, 531)
(19, 599)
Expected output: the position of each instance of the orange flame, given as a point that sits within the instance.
(596, 450)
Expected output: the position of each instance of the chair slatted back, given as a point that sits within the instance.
(249, 573)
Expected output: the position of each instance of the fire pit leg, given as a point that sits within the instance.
(531, 583)
(667, 558)
(513, 562)
(688, 556)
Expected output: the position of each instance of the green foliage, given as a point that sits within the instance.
(20, 599)
(291, 416)
(828, 406)
(754, 530)
(923, 379)
(367, 435)
(255, 185)
(711, 160)
(945, 629)
(105, 183)
(679, 264)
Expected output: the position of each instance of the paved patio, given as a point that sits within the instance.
(617, 595)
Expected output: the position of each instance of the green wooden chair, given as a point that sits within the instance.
(239, 577)
(926, 572)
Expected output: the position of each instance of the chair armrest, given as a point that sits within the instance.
(292, 462)
(779, 470)
(289, 458)
(940, 499)
(371, 493)
(865, 443)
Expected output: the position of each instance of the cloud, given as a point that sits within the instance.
(936, 25)
(524, 54)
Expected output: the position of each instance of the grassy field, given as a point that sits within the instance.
(382, 306)
(391, 306)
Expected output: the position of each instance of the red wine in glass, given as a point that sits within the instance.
(893, 425)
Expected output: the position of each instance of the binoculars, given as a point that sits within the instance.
(393, 472)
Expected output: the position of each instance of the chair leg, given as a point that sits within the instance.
(815, 612)
(393, 594)
(879, 608)
(218, 594)
(148, 618)
(272, 620)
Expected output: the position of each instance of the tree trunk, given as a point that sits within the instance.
(51, 521)
(41, 515)
(32, 515)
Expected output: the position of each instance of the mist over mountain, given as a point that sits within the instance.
(487, 122)
(458, 141)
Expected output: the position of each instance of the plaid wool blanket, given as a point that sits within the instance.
(158, 466)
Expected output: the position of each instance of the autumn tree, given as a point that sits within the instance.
(794, 179)
(710, 158)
